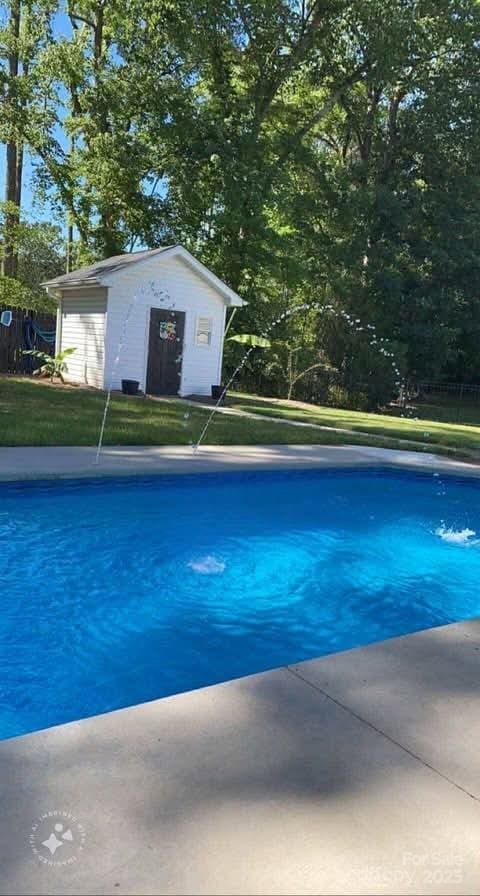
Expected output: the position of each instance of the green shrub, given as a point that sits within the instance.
(14, 294)
(350, 399)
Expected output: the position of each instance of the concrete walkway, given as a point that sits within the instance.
(405, 444)
(44, 463)
(357, 773)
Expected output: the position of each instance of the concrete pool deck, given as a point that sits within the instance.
(357, 773)
(72, 462)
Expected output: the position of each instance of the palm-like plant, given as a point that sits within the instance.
(289, 359)
(52, 366)
(251, 340)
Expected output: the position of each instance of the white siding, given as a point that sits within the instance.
(169, 284)
(83, 328)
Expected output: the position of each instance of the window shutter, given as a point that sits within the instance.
(204, 331)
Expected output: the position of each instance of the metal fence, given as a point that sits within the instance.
(449, 402)
(459, 391)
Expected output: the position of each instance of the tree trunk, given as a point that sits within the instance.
(69, 247)
(108, 241)
(105, 233)
(70, 219)
(10, 261)
(14, 155)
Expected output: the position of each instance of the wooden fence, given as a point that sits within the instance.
(13, 340)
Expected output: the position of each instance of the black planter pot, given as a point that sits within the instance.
(217, 393)
(130, 387)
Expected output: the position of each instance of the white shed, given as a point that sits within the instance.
(160, 312)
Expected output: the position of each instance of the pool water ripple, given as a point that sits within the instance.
(119, 592)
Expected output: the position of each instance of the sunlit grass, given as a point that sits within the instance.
(34, 413)
(461, 437)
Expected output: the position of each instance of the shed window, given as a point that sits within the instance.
(204, 331)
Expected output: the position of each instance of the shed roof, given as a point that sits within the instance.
(97, 274)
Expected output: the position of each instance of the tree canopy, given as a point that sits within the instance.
(306, 150)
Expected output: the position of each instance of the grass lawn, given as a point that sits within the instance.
(33, 412)
(448, 409)
(439, 434)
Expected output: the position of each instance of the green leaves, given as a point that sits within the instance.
(14, 294)
(298, 149)
(51, 366)
(250, 339)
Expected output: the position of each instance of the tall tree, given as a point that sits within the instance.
(317, 145)
(265, 76)
(116, 79)
(383, 172)
(23, 35)
(14, 147)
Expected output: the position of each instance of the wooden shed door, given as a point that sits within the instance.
(165, 347)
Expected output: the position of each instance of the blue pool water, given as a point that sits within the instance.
(118, 592)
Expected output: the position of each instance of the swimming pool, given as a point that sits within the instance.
(119, 591)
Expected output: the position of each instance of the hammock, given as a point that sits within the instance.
(30, 330)
(48, 336)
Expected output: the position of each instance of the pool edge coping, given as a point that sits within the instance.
(77, 462)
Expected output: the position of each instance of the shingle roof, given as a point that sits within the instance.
(102, 268)
(94, 274)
